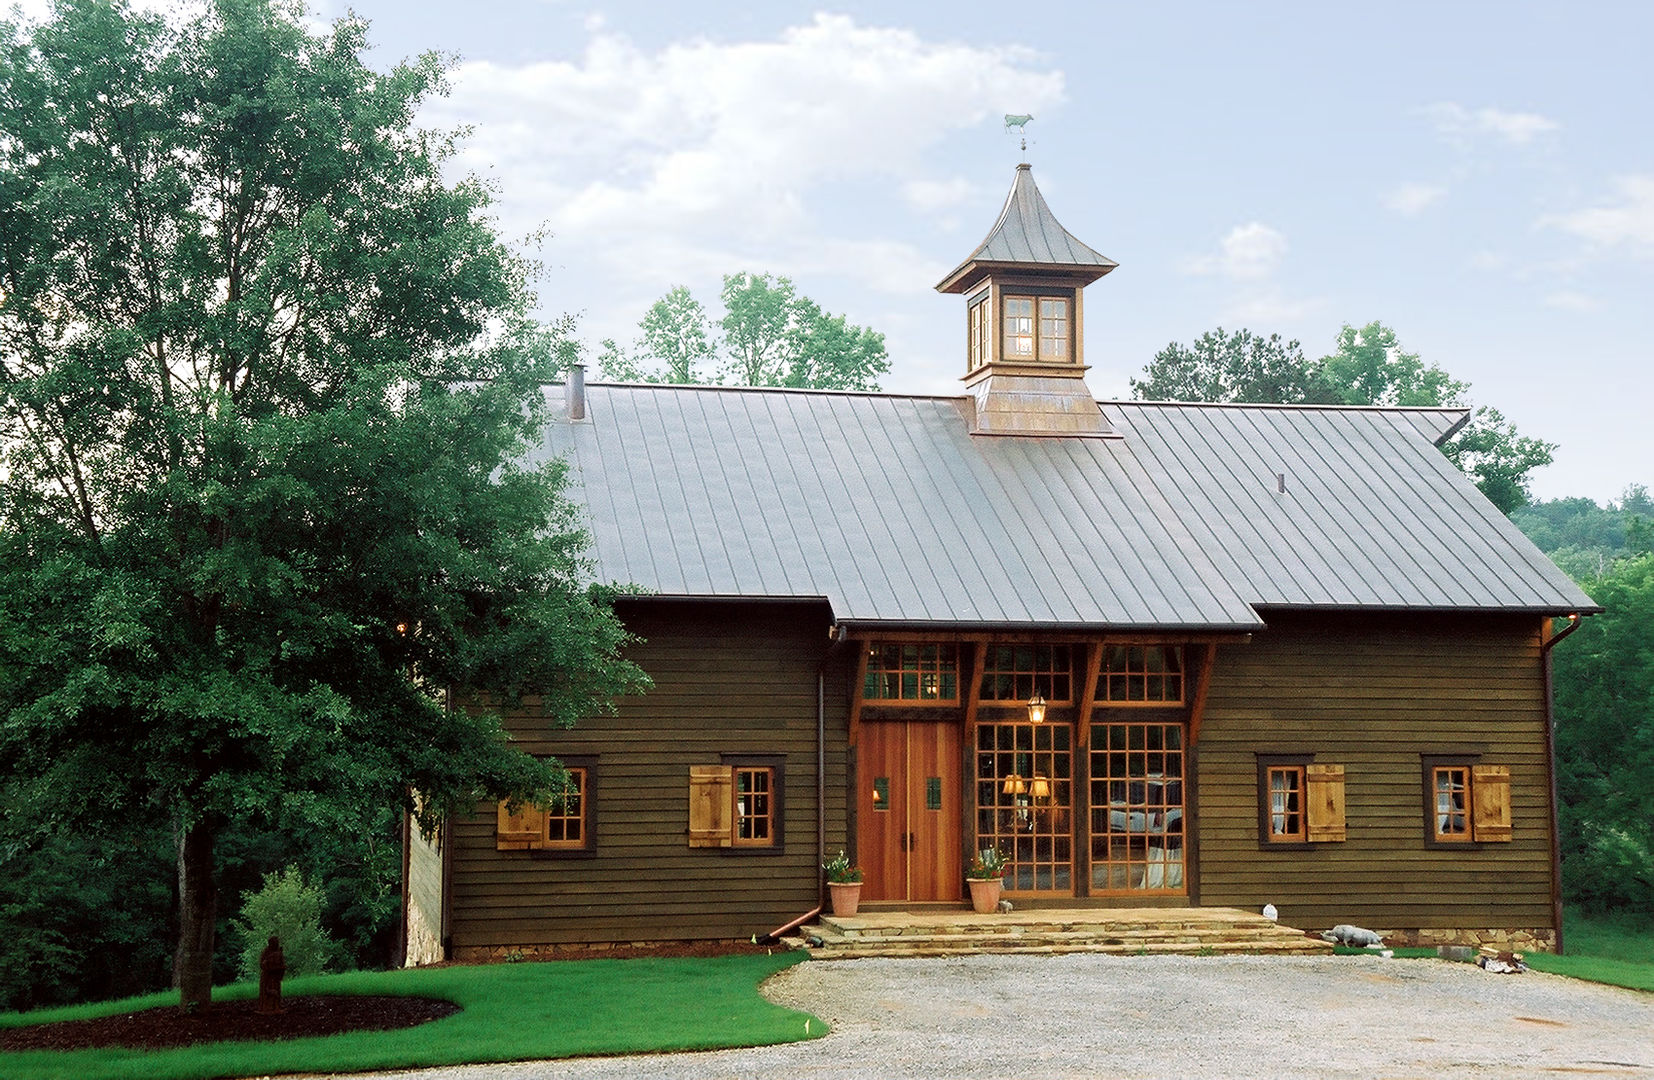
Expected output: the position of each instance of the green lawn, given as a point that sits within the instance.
(1614, 949)
(511, 1012)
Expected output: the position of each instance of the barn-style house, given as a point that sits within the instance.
(1159, 654)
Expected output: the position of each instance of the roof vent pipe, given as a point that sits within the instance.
(574, 391)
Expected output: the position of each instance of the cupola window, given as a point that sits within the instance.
(1051, 332)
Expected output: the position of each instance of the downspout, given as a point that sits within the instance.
(1545, 648)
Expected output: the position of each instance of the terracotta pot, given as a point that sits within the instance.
(846, 896)
(985, 894)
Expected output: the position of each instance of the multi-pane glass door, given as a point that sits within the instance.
(1024, 802)
(1137, 808)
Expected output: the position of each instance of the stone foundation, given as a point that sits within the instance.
(1513, 940)
(594, 950)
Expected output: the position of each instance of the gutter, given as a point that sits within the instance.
(1545, 647)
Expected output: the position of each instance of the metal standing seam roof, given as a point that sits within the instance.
(887, 507)
(1028, 234)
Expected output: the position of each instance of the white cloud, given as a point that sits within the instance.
(1628, 221)
(1269, 308)
(1570, 300)
(1413, 198)
(1247, 253)
(713, 148)
(934, 195)
(1456, 121)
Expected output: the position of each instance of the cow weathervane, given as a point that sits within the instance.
(1019, 121)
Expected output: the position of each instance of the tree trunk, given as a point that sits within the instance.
(197, 915)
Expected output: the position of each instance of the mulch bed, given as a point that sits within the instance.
(154, 1029)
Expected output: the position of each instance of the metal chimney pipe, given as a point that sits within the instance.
(574, 391)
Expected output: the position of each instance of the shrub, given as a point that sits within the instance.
(289, 908)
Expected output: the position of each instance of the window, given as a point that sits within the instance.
(564, 825)
(1141, 675)
(736, 804)
(1050, 333)
(1284, 818)
(1019, 328)
(979, 331)
(912, 672)
(1300, 801)
(1137, 808)
(1465, 802)
(1018, 672)
(754, 806)
(1024, 802)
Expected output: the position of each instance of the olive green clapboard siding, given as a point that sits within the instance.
(730, 678)
(1373, 693)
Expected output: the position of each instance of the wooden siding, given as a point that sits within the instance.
(1374, 693)
(730, 679)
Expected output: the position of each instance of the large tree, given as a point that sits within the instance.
(1367, 367)
(772, 336)
(1243, 366)
(264, 376)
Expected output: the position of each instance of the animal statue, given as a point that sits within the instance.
(1345, 934)
(1017, 120)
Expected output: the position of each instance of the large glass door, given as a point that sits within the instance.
(1024, 802)
(1137, 808)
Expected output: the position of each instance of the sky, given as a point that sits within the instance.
(1477, 176)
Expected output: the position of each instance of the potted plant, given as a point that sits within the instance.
(844, 882)
(986, 877)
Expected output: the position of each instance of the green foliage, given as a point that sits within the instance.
(839, 871)
(83, 917)
(289, 909)
(1584, 538)
(510, 1012)
(265, 379)
(1604, 693)
(1242, 366)
(771, 337)
(987, 865)
(1367, 367)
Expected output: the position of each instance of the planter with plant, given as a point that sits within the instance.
(844, 882)
(986, 877)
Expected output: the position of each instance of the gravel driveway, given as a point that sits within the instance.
(1178, 1018)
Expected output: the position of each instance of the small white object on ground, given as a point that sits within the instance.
(1270, 913)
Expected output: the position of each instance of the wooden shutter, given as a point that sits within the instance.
(1490, 792)
(520, 831)
(1324, 802)
(711, 805)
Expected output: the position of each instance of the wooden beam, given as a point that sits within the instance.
(973, 692)
(1197, 707)
(1088, 695)
(857, 692)
(922, 635)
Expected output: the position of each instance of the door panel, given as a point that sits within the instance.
(934, 813)
(908, 811)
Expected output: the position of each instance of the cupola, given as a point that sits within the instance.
(1024, 321)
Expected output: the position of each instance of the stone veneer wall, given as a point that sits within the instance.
(1512, 939)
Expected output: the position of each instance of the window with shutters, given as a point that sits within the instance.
(562, 826)
(736, 804)
(1300, 801)
(1465, 801)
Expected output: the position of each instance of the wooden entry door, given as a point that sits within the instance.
(908, 811)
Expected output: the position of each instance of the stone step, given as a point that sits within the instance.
(988, 926)
(918, 948)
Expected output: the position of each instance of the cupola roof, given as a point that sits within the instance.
(1027, 235)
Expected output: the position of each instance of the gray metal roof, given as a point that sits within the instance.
(890, 510)
(1027, 233)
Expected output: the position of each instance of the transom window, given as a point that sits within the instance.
(566, 816)
(1141, 674)
(1018, 672)
(912, 671)
(754, 806)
